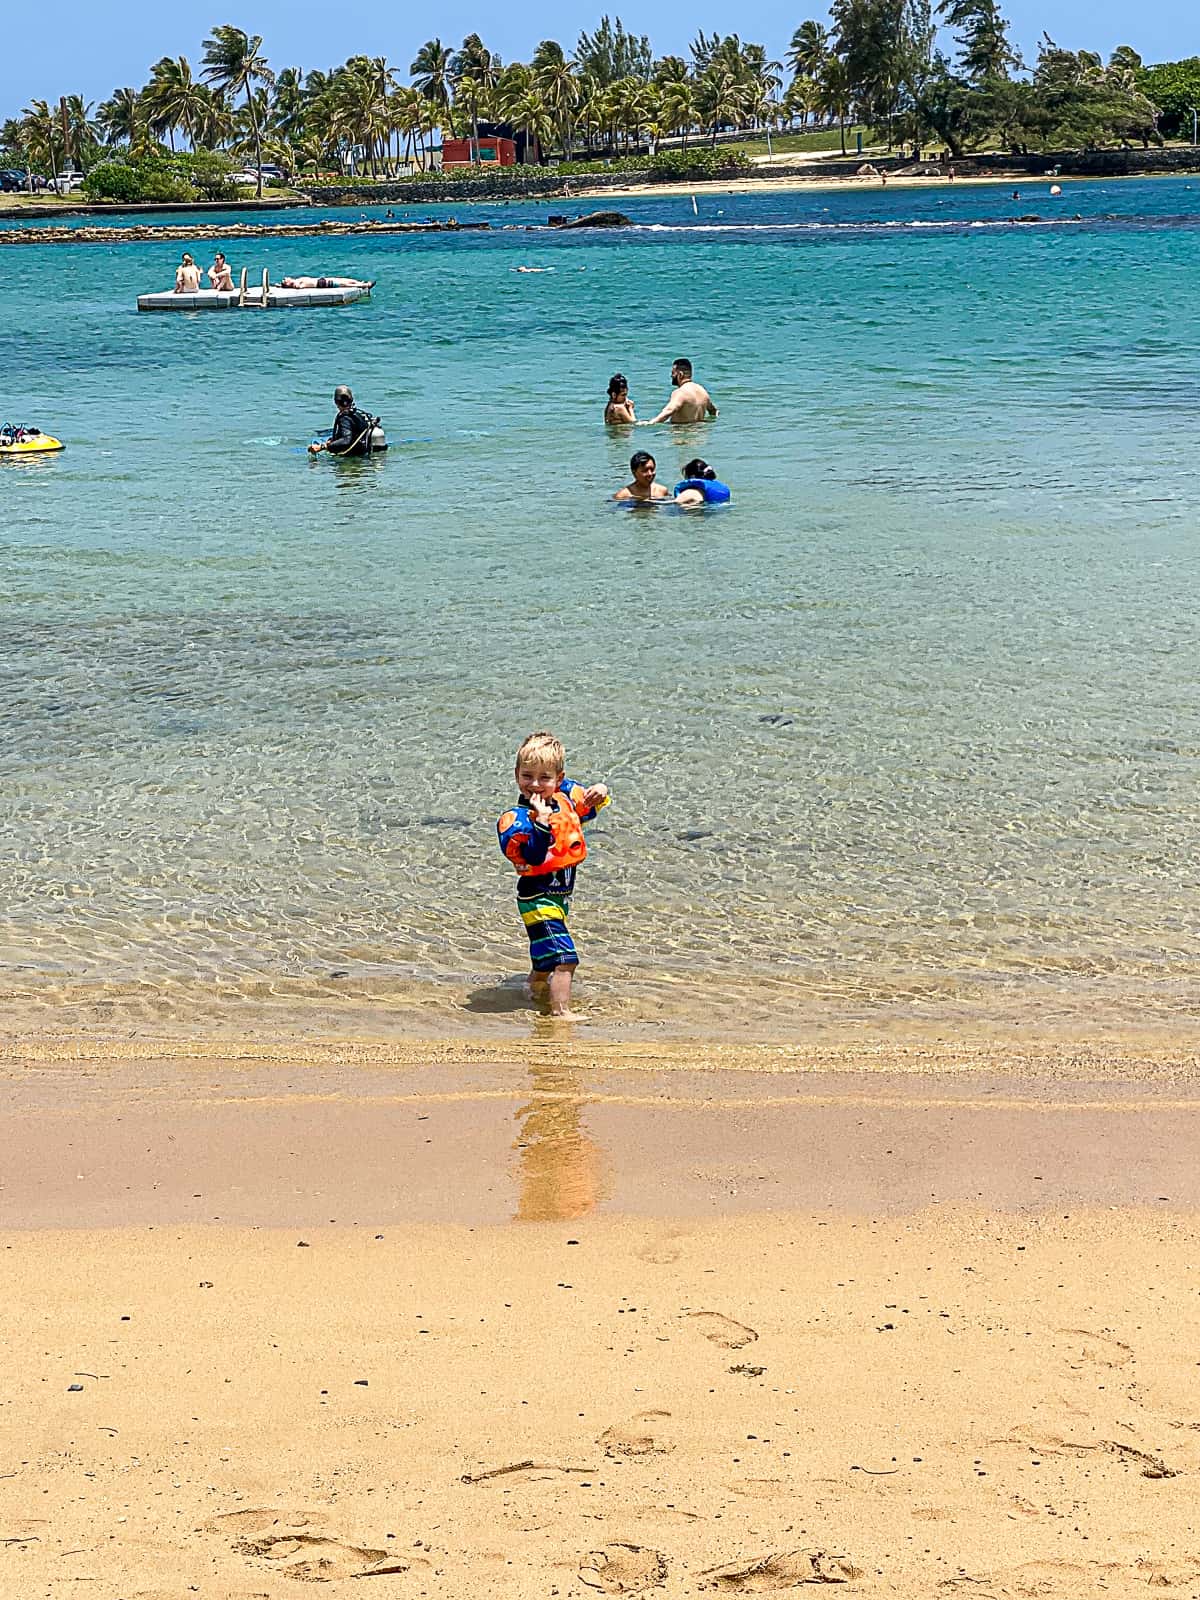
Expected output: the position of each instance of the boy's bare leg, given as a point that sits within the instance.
(560, 991)
(535, 985)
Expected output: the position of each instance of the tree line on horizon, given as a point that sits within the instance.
(877, 62)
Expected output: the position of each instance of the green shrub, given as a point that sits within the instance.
(210, 172)
(155, 178)
(113, 180)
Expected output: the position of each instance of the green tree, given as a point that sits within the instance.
(432, 78)
(558, 83)
(474, 71)
(173, 99)
(1174, 88)
(610, 53)
(42, 136)
(808, 50)
(984, 51)
(233, 63)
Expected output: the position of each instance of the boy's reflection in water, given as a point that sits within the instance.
(559, 1165)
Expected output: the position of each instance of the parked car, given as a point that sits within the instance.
(12, 178)
(67, 182)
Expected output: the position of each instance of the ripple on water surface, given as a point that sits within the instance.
(908, 731)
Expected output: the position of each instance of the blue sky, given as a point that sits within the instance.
(80, 50)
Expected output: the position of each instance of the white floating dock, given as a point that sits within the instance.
(252, 299)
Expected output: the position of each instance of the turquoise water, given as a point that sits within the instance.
(908, 732)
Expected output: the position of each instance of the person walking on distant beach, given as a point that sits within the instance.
(542, 835)
(691, 401)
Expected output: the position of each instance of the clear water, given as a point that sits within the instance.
(909, 731)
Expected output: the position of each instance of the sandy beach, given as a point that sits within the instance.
(554, 1321)
(1022, 181)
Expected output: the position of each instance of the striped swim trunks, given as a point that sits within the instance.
(550, 944)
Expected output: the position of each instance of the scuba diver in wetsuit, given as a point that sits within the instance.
(353, 430)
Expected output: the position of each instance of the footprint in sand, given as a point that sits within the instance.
(720, 1330)
(759, 1488)
(640, 1436)
(310, 1558)
(623, 1569)
(262, 1519)
(786, 1570)
(1097, 1349)
(663, 1251)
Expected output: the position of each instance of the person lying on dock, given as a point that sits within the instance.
(187, 276)
(219, 274)
(322, 283)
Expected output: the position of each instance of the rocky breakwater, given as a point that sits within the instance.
(594, 219)
(143, 233)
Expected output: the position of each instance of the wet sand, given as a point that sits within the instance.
(562, 1320)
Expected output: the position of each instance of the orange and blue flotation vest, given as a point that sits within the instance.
(541, 851)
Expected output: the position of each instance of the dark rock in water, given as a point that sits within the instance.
(555, 220)
(596, 219)
(690, 835)
(1029, 217)
(777, 720)
(445, 822)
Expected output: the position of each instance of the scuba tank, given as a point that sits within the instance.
(376, 439)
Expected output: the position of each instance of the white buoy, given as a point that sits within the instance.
(1056, 188)
(695, 207)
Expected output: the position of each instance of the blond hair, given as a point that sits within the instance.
(542, 750)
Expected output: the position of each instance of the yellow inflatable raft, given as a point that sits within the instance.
(26, 442)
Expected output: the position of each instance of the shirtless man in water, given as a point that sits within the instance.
(691, 401)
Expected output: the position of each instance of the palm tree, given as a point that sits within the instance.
(474, 71)
(528, 111)
(41, 132)
(721, 100)
(123, 117)
(430, 73)
(678, 109)
(288, 102)
(833, 93)
(172, 97)
(799, 98)
(233, 61)
(808, 50)
(558, 85)
(211, 124)
(80, 131)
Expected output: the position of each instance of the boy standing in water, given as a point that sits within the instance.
(543, 838)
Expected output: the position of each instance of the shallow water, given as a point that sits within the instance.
(910, 730)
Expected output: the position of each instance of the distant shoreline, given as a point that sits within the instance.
(763, 182)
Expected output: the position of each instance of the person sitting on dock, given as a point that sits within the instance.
(219, 274)
(351, 434)
(323, 283)
(187, 276)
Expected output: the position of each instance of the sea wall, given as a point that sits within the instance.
(510, 184)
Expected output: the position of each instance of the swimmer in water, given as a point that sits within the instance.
(694, 470)
(690, 402)
(643, 489)
(535, 269)
(620, 407)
